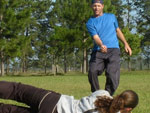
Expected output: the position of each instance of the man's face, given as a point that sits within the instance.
(97, 9)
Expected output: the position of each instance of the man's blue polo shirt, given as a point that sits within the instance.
(105, 27)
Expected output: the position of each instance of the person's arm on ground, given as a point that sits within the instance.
(123, 40)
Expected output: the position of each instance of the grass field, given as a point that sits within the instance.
(76, 84)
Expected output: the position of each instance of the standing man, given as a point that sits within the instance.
(104, 29)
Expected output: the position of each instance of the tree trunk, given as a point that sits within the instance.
(141, 64)
(69, 69)
(7, 66)
(148, 63)
(84, 61)
(1, 52)
(54, 67)
(65, 62)
(81, 68)
(1, 18)
(25, 57)
(129, 64)
(23, 64)
(87, 62)
(84, 55)
(26, 64)
(45, 65)
(2, 64)
(128, 19)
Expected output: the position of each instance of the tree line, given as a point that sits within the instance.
(46, 33)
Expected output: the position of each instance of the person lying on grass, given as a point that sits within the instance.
(47, 101)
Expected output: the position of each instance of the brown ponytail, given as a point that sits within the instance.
(117, 104)
(103, 104)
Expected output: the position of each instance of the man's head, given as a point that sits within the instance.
(97, 6)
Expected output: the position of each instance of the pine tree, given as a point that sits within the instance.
(43, 32)
(12, 23)
(73, 14)
(143, 26)
(119, 11)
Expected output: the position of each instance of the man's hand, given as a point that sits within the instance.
(100, 43)
(103, 49)
(128, 49)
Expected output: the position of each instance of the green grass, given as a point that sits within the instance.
(76, 84)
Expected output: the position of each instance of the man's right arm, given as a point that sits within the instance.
(100, 43)
(91, 29)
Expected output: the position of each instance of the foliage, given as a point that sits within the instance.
(143, 26)
(109, 7)
(12, 25)
(134, 41)
(143, 20)
(119, 11)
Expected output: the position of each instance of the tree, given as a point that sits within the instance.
(65, 42)
(143, 24)
(119, 11)
(41, 46)
(13, 21)
(72, 15)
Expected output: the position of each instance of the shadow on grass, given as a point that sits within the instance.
(33, 74)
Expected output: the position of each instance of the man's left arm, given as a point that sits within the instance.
(123, 40)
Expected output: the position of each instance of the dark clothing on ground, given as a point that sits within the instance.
(38, 100)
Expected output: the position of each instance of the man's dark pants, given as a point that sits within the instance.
(108, 62)
(29, 95)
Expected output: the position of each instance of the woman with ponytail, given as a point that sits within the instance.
(47, 101)
(123, 103)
